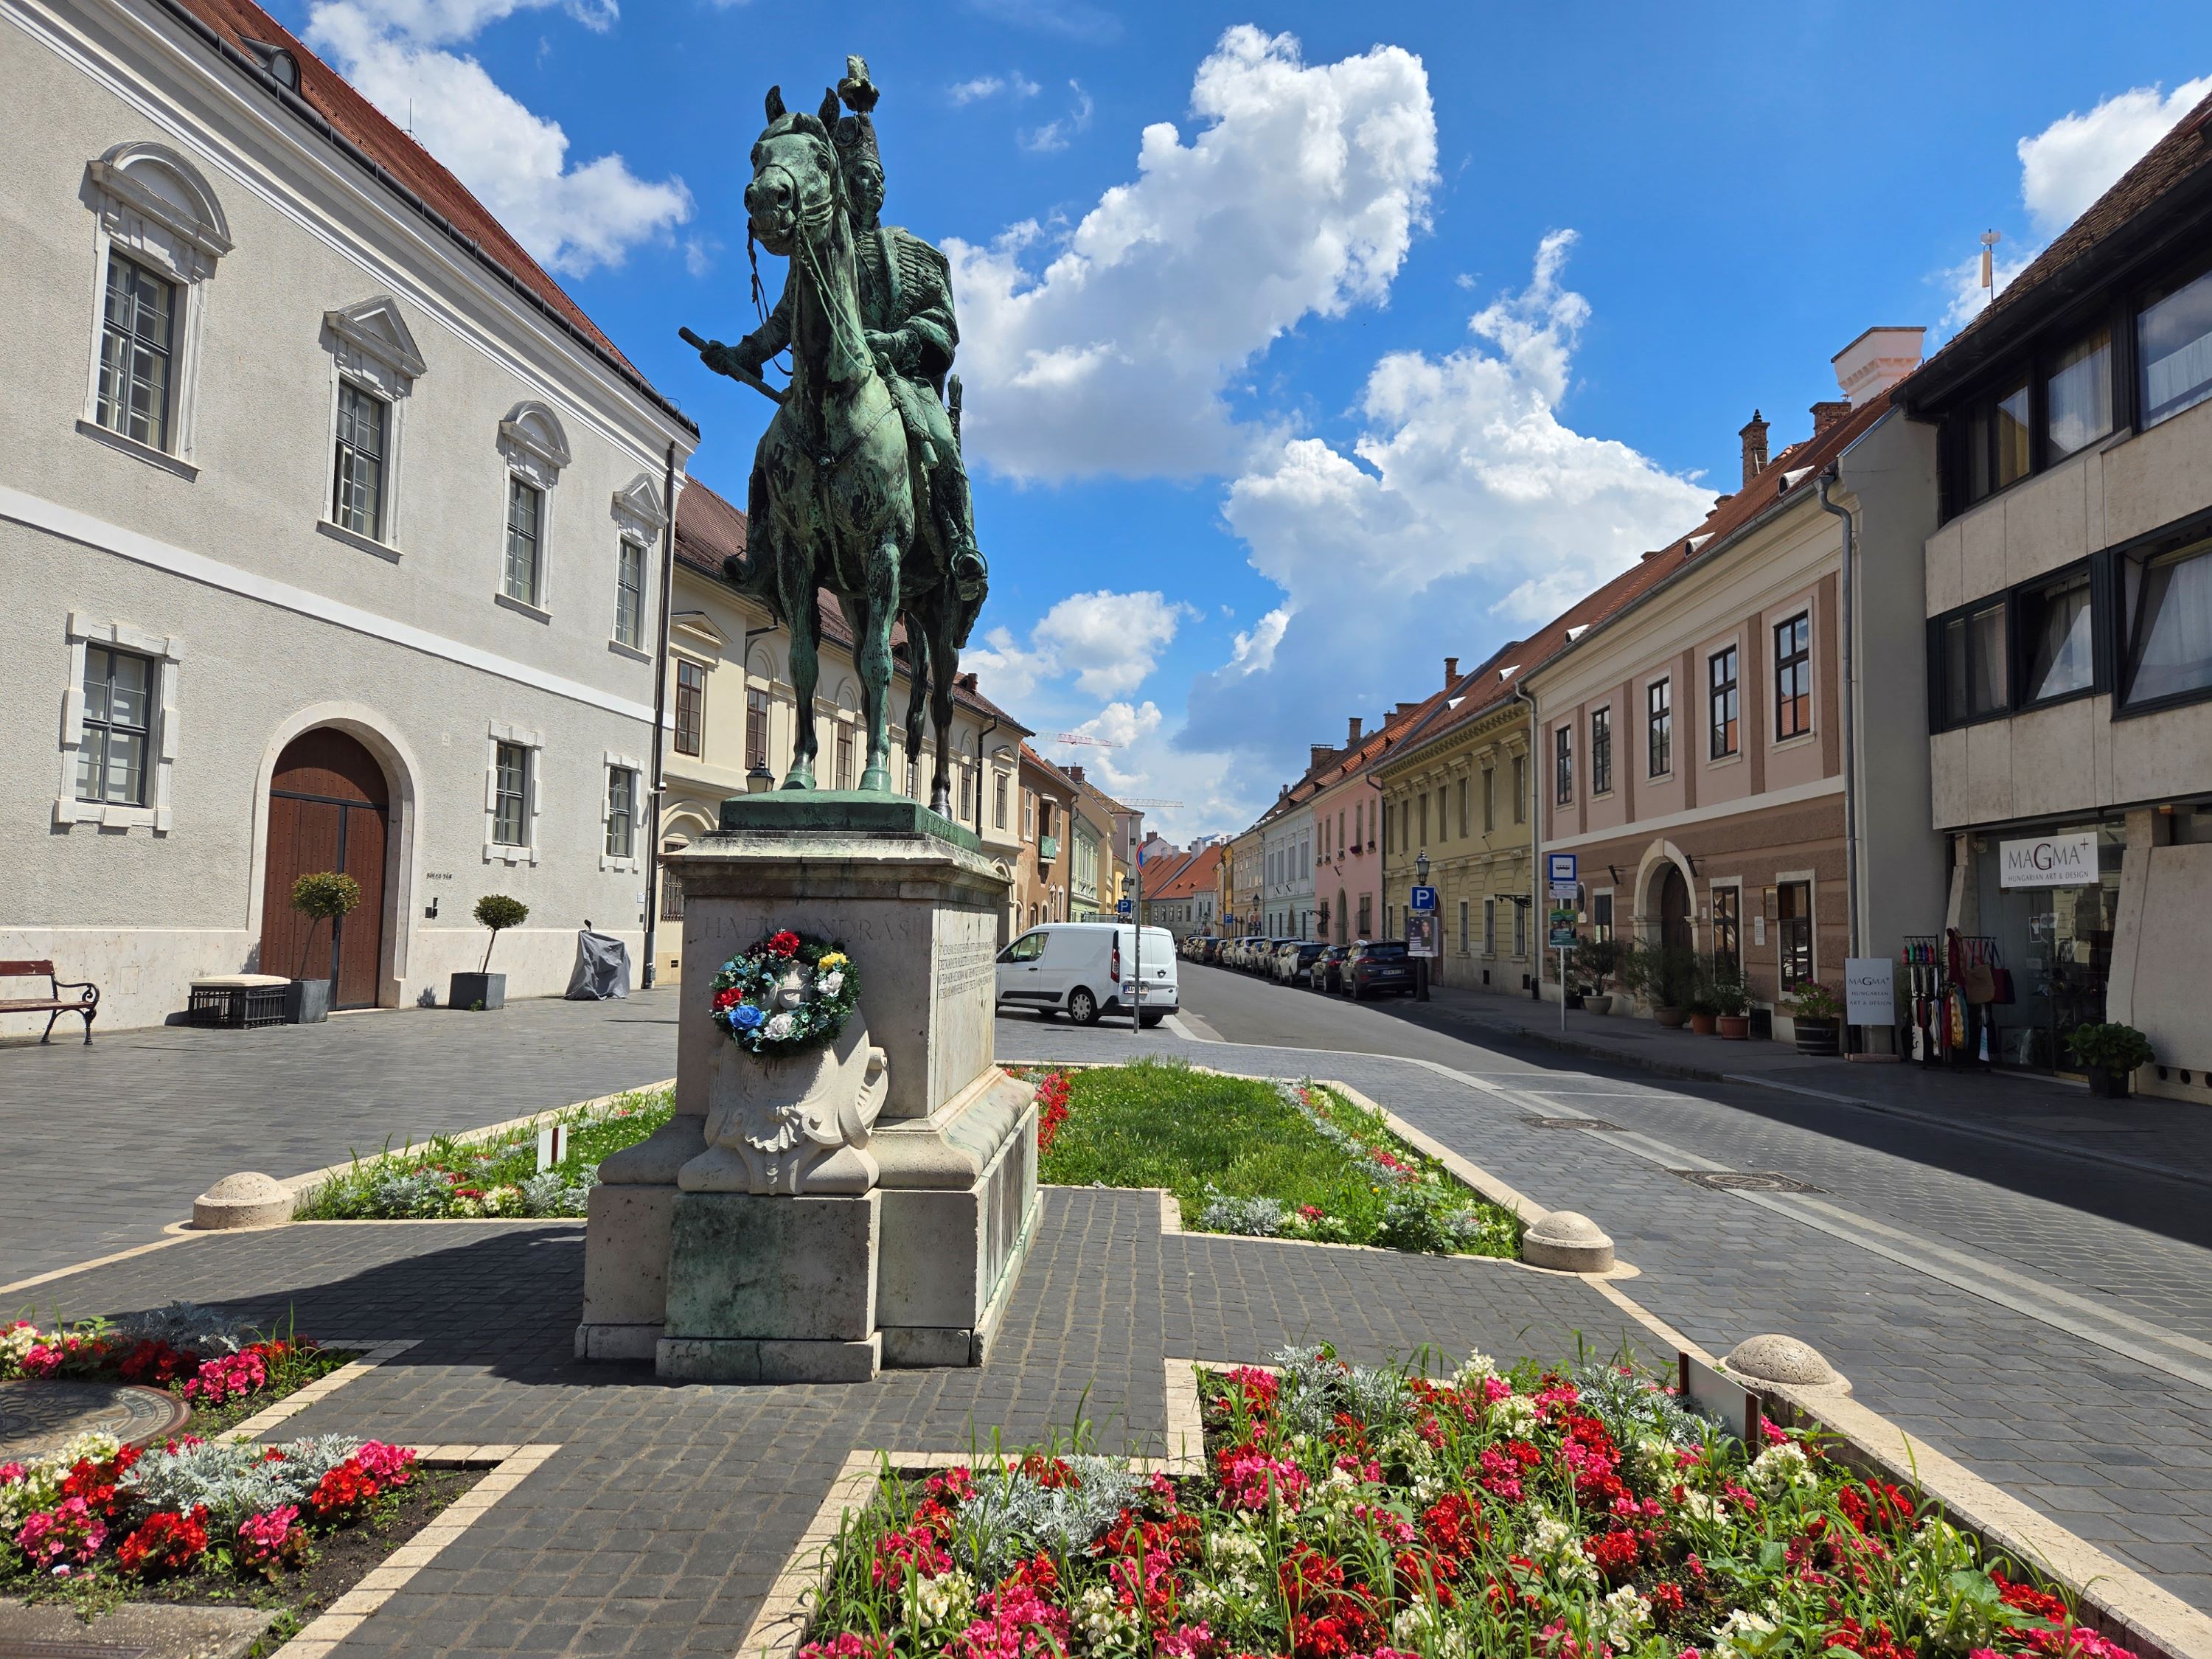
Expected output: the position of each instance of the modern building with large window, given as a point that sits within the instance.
(2068, 604)
(331, 524)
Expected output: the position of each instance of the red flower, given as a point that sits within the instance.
(342, 1492)
(728, 999)
(785, 944)
(165, 1542)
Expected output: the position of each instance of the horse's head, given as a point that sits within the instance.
(795, 184)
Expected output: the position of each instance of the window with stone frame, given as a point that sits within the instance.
(691, 707)
(630, 593)
(622, 813)
(1520, 789)
(1600, 750)
(521, 577)
(510, 825)
(1563, 765)
(120, 688)
(137, 351)
(1722, 700)
(1659, 728)
(1793, 676)
(357, 466)
(757, 712)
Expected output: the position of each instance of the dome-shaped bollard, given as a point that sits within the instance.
(1568, 1243)
(247, 1200)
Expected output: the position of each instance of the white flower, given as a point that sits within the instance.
(1479, 1365)
(1232, 1548)
(1781, 1466)
(1421, 1629)
(1655, 1459)
(14, 1344)
(1623, 1616)
(1100, 1615)
(1744, 1635)
(778, 1028)
(830, 983)
(947, 1599)
(1515, 1416)
(1557, 1548)
(91, 1444)
(1704, 1508)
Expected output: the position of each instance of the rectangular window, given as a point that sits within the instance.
(1793, 676)
(1463, 809)
(1563, 764)
(2078, 396)
(119, 714)
(1659, 728)
(2170, 641)
(1425, 818)
(1727, 929)
(844, 773)
(1794, 924)
(1489, 798)
(510, 818)
(2057, 647)
(1490, 928)
(1720, 700)
(138, 334)
(756, 728)
(1600, 750)
(967, 794)
(1520, 789)
(1996, 441)
(357, 489)
(1974, 680)
(2173, 344)
(998, 801)
(1520, 929)
(622, 811)
(1359, 824)
(1029, 816)
(691, 707)
(1366, 915)
(1602, 914)
(630, 593)
(525, 516)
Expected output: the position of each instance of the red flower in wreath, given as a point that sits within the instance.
(785, 944)
(728, 999)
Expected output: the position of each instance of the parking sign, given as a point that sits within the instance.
(1126, 908)
(1421, 898)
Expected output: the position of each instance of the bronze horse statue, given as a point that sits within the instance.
(835, 494)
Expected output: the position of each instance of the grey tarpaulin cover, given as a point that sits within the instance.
(602, 967)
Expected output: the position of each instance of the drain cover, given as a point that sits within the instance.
(1745, 1180)
(1597, 1123)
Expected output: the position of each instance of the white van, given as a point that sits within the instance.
(1086, 968)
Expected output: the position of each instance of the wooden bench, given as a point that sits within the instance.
(54, 1005)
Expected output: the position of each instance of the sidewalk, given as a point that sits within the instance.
(2157, 1137)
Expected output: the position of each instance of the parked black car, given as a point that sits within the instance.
(1377, 966)
(1326, 973)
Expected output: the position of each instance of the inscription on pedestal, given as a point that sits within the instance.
(962, 967)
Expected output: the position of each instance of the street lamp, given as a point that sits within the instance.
(760, 779)
(1421, 963)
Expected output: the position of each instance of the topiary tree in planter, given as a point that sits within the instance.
(2109, 1053)
(485, 989)
(320, 895)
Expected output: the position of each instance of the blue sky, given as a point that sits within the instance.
(1421, 321)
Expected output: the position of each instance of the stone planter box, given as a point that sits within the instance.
(307, 1001)
(484, 991)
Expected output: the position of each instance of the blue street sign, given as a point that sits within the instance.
(1560, 872)
(1126, 908)
(1420, 898)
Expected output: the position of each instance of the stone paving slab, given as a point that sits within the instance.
(664, 1519)
(105, 1146)
(2114, 1449)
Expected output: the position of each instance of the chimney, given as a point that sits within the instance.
(1451, 673)
(1075, 772)
(1877, 361)
(966, 682)
(1755, 447)
(1828, 412)
(1403, 707)
(1353, 740)
(1319, 754)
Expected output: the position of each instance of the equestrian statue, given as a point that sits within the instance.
(858, 485)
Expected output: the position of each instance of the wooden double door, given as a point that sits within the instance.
(329, 809)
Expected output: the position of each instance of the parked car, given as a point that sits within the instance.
(1327, 971)
(1087, 969)
(1242, 957)
(1294, 962)
(1377, 966)
(1209, 949)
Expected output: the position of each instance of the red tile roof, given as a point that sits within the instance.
(328, 100)
(1197, 875)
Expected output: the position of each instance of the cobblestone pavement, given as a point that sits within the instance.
(658, 1527)
(1974, 1290)
(105, 1146)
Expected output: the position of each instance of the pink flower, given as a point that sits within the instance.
(68, 1531)
(1187, 1640)
(386, 1463)
(265, 1538)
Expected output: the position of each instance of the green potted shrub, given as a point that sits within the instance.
(485, 989)
(1668, 977)
(320, 895)
(1816, 1013)
(1599, 961)
(1731, 1002)
(2110, 1054)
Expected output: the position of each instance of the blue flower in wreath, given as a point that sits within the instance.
(744, 1017)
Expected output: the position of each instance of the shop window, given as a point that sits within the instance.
(1600, 750)
(1794, 929)
(1659, 728)
(2057, 645)
(1723, 703)
(2173, 344)
(2169, 631)
(1972, 646)
(2078, 396)
(1793, 677)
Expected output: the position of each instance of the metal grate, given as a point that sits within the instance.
(1596, 1124)
(1745, 1180)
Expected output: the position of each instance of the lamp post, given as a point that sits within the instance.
(760, 779)
(1420, 963)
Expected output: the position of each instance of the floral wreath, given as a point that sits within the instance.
(749, 988)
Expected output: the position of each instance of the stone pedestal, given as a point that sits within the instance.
(769, 1288)
(917, 906)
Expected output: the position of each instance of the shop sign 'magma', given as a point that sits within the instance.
(2068, 860)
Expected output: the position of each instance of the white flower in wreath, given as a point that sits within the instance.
(779, 1028)
(832, 982)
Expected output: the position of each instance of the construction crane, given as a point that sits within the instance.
(1145, 800)
(1083, 738)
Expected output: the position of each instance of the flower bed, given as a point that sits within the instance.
(289, 1526)
(223, 1371)
(1243, 1155)
(450, 1178)
(1354, 1512)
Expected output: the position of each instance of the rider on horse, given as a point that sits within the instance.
(906, 307)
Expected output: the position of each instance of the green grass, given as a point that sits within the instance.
(1205, 1137)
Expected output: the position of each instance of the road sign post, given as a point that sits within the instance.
(1563, 877)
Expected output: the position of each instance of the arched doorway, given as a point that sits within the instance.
(329, 809)
(1673, 908)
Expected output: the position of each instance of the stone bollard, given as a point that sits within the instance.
(1775, 1358)
(247, 1200)
(1569, 1243)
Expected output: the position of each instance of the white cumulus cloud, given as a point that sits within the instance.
(1111, 347)
(1107, 642)
(571, 217)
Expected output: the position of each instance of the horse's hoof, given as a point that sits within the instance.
(798, 778)
(940, 802)
(875, 780)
